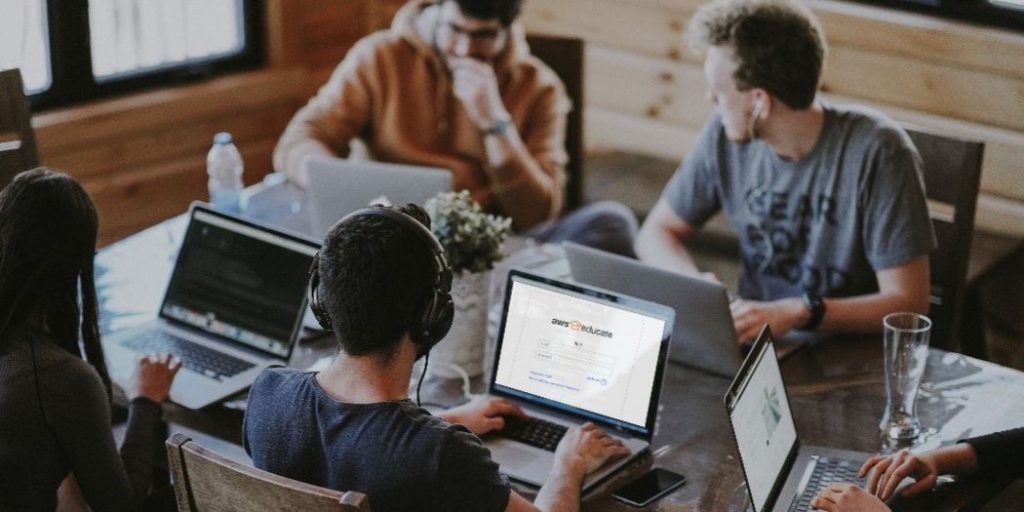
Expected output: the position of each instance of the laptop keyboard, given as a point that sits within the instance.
(826, 471)
(534, 432)
(198, 358)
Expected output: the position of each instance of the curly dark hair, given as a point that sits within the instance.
(779, 45)
(376, 277)
(48, 227)
(505, 11)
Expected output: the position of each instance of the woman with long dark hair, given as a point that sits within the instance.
(54, 388)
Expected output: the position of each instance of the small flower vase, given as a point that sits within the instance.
(463, 347)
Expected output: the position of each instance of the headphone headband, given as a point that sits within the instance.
(441, 263)
(436, 319)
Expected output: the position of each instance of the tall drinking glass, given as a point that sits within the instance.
(906, 352)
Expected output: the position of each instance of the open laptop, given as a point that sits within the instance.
(338, 187)
(703, 337)
(569, 354)
(782, 474)
(232, 307)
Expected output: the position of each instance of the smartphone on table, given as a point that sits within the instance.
(651, 486)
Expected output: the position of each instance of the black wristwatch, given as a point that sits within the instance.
(816, 305)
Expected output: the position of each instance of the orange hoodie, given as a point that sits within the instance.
(394, 92)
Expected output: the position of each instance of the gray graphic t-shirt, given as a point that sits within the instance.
(825, 223)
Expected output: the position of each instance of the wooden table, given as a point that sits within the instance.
(836, 387)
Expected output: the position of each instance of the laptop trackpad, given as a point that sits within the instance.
(511, 457)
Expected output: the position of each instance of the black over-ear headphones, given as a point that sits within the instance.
(437, 316)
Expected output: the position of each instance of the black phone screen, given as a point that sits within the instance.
(652, 485)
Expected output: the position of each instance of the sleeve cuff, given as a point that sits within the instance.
(144, 402)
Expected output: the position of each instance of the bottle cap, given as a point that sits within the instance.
(222, 138)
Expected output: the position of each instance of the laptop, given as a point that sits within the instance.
(338, 187)
(233, 306)
(703, 337)
(569, 354)
(781, 474)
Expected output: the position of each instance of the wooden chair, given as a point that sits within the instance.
(205, 481)
(564, 55)
(17, 140)
(952, 171)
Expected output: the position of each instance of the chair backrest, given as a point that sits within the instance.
(205, 481)
(564, 55)
(17, 140)
(952, 172)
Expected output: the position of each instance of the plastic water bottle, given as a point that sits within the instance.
(224, 165)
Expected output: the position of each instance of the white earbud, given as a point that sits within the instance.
(754, 114)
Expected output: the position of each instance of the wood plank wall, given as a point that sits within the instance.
(645, 90)
(142, 156)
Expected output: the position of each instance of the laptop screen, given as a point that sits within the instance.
(240, 282)
(595, 354)
(762, 422)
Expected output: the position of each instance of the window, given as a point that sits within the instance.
(24, 41)
(74, 51)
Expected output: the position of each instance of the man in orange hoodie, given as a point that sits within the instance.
(452, 84)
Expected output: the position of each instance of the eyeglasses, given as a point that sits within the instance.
(484, 36)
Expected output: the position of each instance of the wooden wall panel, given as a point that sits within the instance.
(951, 91)
(129, 202)
(950, 77)
(926, 38)
(143, 157)
(645, 93)
(643, 86)
(653, 28)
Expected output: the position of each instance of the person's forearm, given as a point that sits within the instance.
(864, 313)
(662, 249)
(958, 459)
(291, 154)
(562, 490)
(526, 192)
(998, 454)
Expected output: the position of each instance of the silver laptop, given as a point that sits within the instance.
(704, 335)
(338, 187)
(232, 307)
(782, 474)
(569, 354)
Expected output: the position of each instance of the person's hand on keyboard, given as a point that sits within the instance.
(839, 497)
(153, 377)
(482, 415)
(887, 471)
(586, 448)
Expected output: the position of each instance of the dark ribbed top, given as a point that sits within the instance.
(55, 421)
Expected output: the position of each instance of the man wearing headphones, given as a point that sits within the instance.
(827, 200)
(381, 283)
(452, 84)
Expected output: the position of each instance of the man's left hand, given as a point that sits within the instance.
(476, 86)
(749, 316)
(483, 415)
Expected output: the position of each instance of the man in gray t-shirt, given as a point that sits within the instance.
(827, 201)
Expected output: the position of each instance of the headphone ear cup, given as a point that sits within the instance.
(319, 312)
(437, 319)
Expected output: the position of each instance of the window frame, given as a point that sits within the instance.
(71, 76)
(979, 12)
